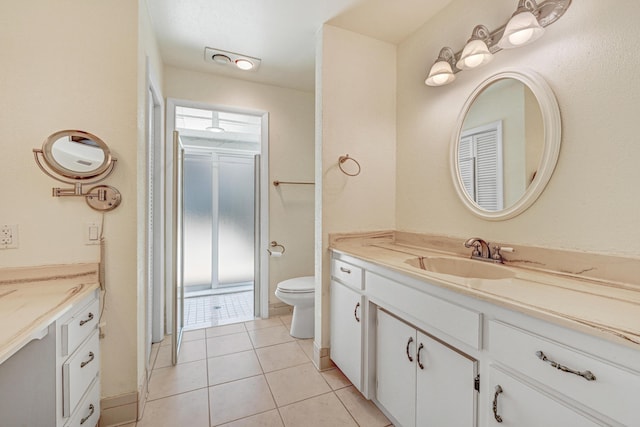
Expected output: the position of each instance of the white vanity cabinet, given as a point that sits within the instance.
(347, 320)
(421, 381)
(518, 404)
(576, 373)
(54, 380)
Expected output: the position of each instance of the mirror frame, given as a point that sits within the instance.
(47, 154)
(552, 138)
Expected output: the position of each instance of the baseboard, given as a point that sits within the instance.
(119, 410)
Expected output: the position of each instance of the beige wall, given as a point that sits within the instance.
(356, 93)
(291, 154)
(67, 66)
(588, 58)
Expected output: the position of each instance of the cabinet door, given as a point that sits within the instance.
(520, 405)
(346, 331)
(396, 368)
(446, 394)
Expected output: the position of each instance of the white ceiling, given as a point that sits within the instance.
(282, 33)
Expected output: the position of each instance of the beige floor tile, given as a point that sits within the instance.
(177, 379)
(336, 379)
(190, 351)
(196, 334)
(281, 356)
(128, 425)
(263, 323)
(266, 419)
(233, 367)
(165, 341)
(307, 347)
(286, 320)
(227, 344)
(217, 331)
(187, 409)
(363, 410)
(239, 399)
(270, 336)
(321, 411)
(297, 383)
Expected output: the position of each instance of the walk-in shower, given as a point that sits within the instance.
(221, 198)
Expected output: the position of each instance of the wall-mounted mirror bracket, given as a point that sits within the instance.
(79, 158)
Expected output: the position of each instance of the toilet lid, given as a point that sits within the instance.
(298, 285)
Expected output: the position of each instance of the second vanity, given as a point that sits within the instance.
(515, 347)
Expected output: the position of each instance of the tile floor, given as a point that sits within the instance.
(250, 374)
(213, 310)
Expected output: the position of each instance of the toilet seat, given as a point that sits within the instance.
(298, 285)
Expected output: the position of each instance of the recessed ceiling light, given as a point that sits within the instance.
(221, 59)
(244, 64)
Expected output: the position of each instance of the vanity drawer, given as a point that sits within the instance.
(455, 320)
(76, 329)
(78, 372)
(613, 392)
(88, 411)
(347, 273)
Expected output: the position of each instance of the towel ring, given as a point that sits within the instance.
(343, 159)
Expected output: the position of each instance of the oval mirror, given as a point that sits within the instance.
(506, 144)
(76, 154)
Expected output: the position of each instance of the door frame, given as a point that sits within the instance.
(261, 309)
(155, 230)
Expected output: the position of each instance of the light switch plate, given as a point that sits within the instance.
(92, 233)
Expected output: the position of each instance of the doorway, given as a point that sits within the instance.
(225, 213)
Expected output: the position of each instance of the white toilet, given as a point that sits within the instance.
(300, 293)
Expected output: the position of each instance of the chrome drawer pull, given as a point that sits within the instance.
(355, 312)
(92, 409)
(408, 344)
(495, 404)
(587, 375)
(345, 270)
(91, 357)
(88, 319)
(420, 347)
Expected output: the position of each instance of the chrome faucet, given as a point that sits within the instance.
(480, 247)
(482, 250)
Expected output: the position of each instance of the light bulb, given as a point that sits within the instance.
(521, 37)
(244, 64)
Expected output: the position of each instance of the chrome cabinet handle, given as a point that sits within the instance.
(88, 319)
(495, 404)
(86, 362)
(345, 270)
(408, 344)
(92, 409)
(355, 312)
(420, 347)
(587, 375)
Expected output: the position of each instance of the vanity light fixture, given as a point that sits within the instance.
(442, 70)
(224, 58)
(475, 52)
(525, 26)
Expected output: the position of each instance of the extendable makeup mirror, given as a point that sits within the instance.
(79, 158)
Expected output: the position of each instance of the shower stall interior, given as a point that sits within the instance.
(221, 198)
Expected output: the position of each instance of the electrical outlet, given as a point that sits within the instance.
(8, 236)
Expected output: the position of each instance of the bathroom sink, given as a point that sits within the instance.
(461, 267)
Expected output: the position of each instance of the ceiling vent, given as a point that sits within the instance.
(224, 58)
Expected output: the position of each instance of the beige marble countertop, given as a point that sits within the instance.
(608, 310)
(31, 298)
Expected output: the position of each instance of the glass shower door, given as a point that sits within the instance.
(236, 221)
